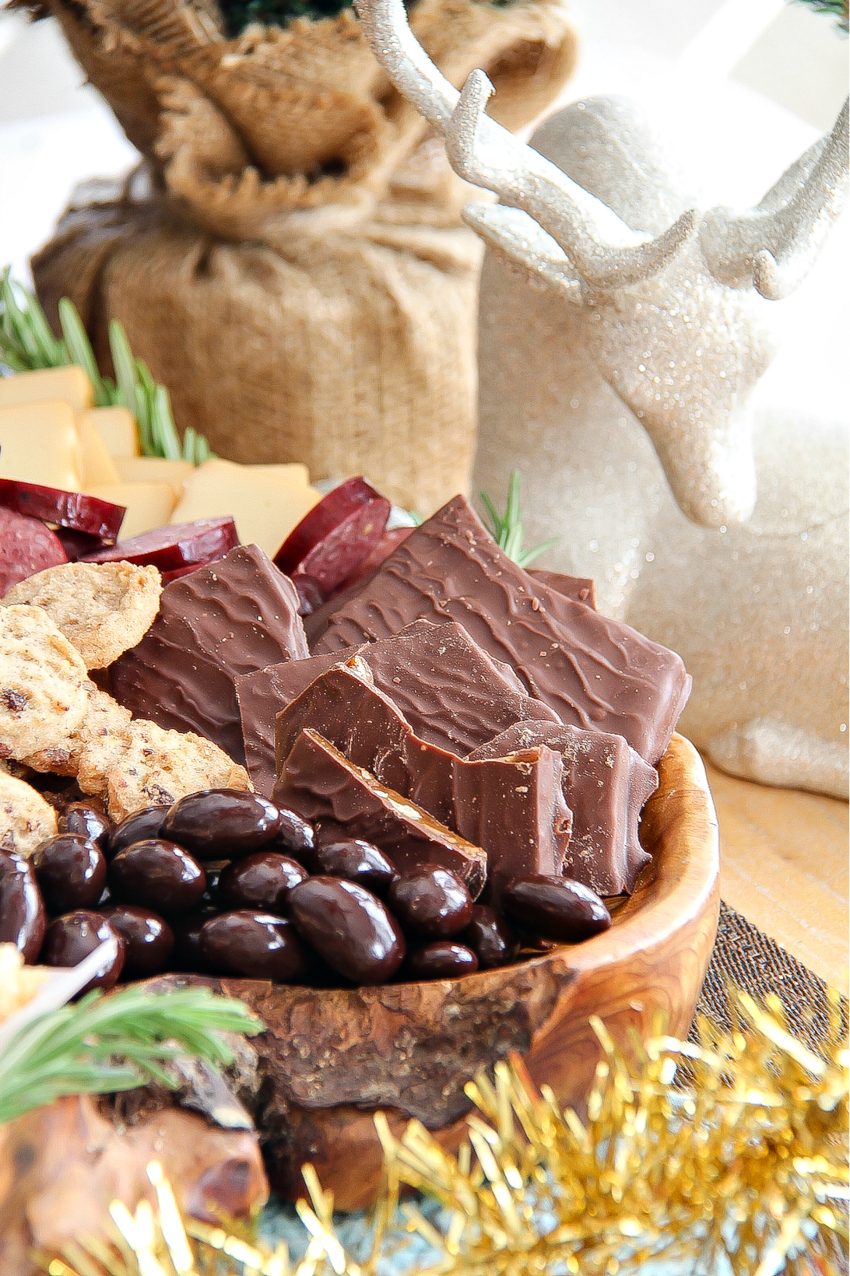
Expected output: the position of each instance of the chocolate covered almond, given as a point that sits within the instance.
(593, 672)
(234, 616)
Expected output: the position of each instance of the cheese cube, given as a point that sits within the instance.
(148, 505)
(71, 385)
(117, 427)
(98, 465)
(288, 472)
(39, 444)
(154, 469)
(264, 507)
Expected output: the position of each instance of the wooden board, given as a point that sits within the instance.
(784, 865)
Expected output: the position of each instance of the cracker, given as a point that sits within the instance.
(161, 766)
(42, 683)
(103, 609)
(26, 820)
(90, 750)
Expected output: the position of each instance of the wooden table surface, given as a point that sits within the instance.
(784, 865)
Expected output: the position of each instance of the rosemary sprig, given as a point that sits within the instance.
(507, 529)
(27, 344)
(105, 1044)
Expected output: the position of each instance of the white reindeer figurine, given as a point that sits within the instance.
(622, 390)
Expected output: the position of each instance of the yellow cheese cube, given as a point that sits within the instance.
(71, 385)
(154, 469)
(39, 444)
(148, 504)
(98, 465)
(287, 471)
(264, 507)
(117, 427)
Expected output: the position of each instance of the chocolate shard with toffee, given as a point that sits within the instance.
(578, 588)
(318, 774)
(228, 618)
(346, 709)
(452, 694)
(606, 783)
(514, 807)
(593, 672)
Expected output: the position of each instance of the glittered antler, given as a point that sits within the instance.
(603, 250)
(772, 247)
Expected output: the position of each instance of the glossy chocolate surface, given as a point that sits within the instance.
(229, 618)
(86, 821)
(71, 872)
(356, 861)
(218, 823)
(137, 827)
(606, 784)
(431, 902)
(255, 945)
(22, 916)
(320, 778)
(148, 940)
(72, 937)
(555, 908)
(260, 881)
(157, 874)
(349, 927)
(593, 672)
(490, 937)
(440, 959)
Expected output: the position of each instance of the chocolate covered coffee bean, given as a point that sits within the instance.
(555, 908)
(138, 827)
(148, 940)
(256, 945)
(222, 823)
(295, 836)
(22, 916)
(490, 937)
(156, 874)
(85, 821)
(71, 872)
(441, 959)
(262, 880)
(430, 901)
(357, 861)
(349, 927)
(69, 939)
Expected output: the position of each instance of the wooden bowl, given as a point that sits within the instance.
(330, 1058)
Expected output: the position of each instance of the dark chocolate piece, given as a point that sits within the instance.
(579, 588)
(317, 774)
(229, 618)
(593, 672)
(606, 783)
(366, 726)
(514, 808)
(452, 694)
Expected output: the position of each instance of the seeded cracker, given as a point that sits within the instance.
(161, 766)
(93, 748)
(26, 819)
(103, 609)
(42, 683)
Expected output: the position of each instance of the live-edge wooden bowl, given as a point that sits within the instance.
(330, 1058)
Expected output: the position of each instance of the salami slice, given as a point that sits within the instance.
(175, 546)
(26, 547)
(335, 536)
(66, 509)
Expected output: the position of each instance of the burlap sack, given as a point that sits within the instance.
(290, 261)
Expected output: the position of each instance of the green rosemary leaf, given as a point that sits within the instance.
(124, 365)
(527, 557)
(494, 527)
(507, 530)
(79, 347)
(105, 1044)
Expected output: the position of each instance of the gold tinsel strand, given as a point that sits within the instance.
(747, 1162)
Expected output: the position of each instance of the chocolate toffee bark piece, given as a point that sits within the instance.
(346, 709)
(452, 694)
(317, 775)
(514, 808)
(606, 783)
(579, 588)
(593, 672)
(236, 615)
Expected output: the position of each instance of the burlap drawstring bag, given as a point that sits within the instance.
(289, 260)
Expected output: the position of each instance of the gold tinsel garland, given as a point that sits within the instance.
(747, 1163)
